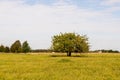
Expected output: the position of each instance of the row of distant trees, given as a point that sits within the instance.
(106, 51)
(16, 47)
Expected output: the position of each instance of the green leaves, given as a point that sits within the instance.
(25, 47)
(2, 48)
(17, 47)
(70, 42)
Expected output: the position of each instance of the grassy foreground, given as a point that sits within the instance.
(59, 67)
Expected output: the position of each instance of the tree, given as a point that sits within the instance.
(2, 48)
(25, 47)
(70, 42)
(16, 47)
(7, 50)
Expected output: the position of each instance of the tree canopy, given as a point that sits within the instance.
(16, 47)
(70, 42)
(2, 48)
(25, 47)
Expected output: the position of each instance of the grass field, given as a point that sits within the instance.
(59, 67)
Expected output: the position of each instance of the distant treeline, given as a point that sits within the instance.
(16, 47)
(41, 50)
(96, 51)
(106, 51)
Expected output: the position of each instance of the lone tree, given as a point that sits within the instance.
(16, 47)
(25, 47)
(70, 42)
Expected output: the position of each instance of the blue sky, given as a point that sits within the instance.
(38, 20)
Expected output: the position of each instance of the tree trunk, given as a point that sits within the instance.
(68, 53)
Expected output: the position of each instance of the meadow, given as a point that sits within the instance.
(55, 66)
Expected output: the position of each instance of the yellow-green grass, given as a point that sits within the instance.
(59, 67)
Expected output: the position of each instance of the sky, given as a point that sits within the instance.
(37, 21)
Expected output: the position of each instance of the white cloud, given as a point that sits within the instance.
(111, 6)
(37, 23)
(110, 2)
